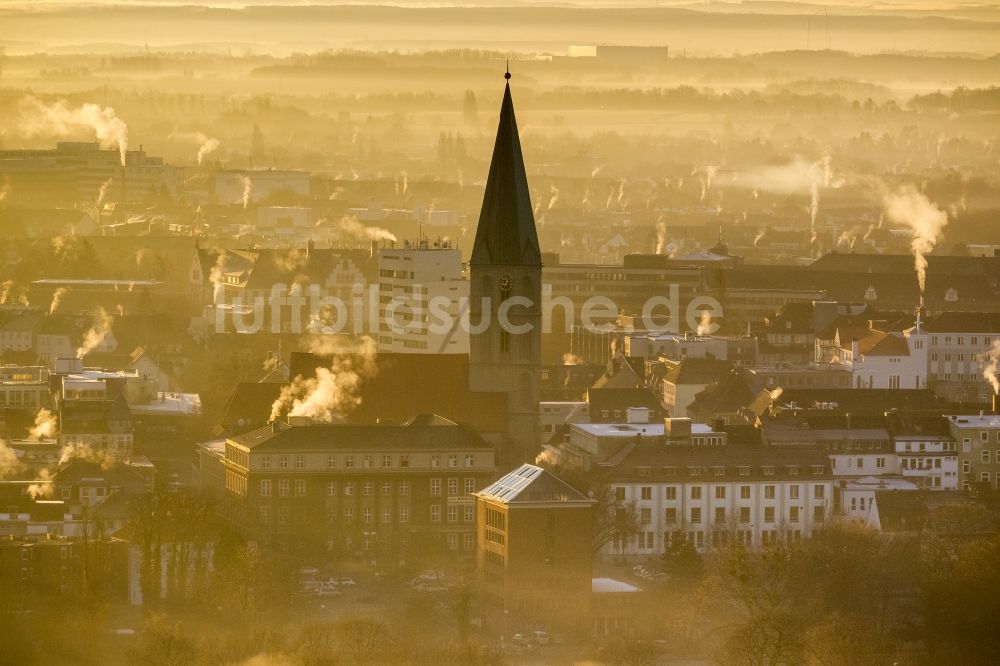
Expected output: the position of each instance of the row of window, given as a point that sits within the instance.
(367, 514)
(386, 461)
(284, 486)
(721, 515)
(720, 470)
(695, 492)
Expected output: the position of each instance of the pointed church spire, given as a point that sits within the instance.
(506, 234)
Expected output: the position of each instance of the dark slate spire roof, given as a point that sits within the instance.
(506, 234)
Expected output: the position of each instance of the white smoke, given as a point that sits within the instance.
(42, 488)
(94, 336)
(217, 278)
(206, 144)
(102, 194)
(45, 427)
(571, 359)
(247, 190)
(59, 119)
(989, 362)
(705, 323)
(661, 238)
(554, 198)
(760, 236)
(81, 451)
(8, 460)
(333, 392)
(925, 220)
(350, 226)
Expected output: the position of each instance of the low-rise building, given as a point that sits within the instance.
(533, 552)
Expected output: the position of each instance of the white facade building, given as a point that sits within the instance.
(882, 360)
(421, 292)
(930, 461)
(857, 497)
(710, 495)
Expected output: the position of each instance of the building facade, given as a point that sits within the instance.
(712, 495)
(379, 489)
(533, 552)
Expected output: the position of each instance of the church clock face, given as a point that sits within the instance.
(506, 284)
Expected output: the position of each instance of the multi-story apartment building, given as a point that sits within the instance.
(958, 345)
(420, 288)
(533, 551)
(978, 444)
(380, 488)
(928, 460)
(710, 495)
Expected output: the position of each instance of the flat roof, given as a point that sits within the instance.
(976, 421)
(606, 585)
(633, 429)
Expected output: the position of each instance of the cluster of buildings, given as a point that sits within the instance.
(819, 393)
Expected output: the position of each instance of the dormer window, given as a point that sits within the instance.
(871, 294)
(768, 470)
(644, 472)
(951, 295)
(718, 470)
(694, 470)
(793, 470)
(744, 470)
(669, 470)
(816, 469)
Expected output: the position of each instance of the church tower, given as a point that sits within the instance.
(505, 304)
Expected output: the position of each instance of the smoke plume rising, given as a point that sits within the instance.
(8, 460)
(43, 487)
(247, 190)
(333, 392)
(989, 363)
(215, 276)
(352, 227)
(45, 426)
(96, 334)
(909, 207)
(59, 119)
(705, 323)
(206, 144)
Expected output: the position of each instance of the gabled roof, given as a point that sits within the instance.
(880, 343)
(528, 485)
(506, 234)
